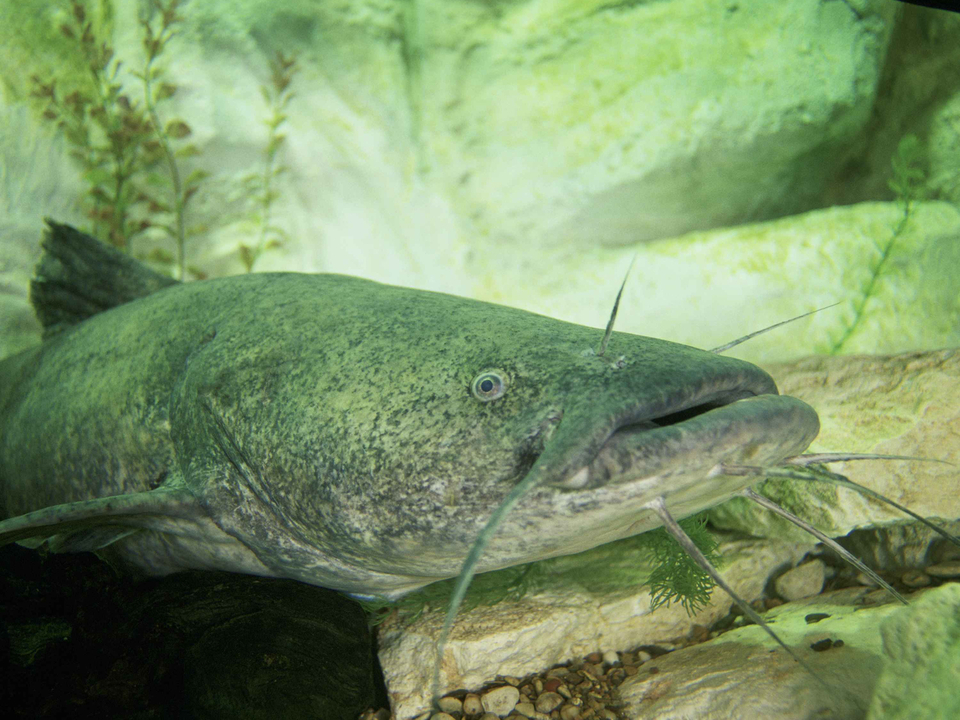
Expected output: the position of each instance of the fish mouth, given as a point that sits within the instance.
(692, 437)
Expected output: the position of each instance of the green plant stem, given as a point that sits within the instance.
(178, 196)
(265, 202)
(877, 271)
(112, 127)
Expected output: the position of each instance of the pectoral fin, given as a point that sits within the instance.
(94, 524)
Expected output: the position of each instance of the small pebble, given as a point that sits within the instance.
(538, 684)
(552, 684)
(822, 645)
(643, 656)
(472, 704)
(450, 705)
(441, 716)
(511, 680)
(526, 709)
(569, 712)
(595, 657)
(802, 581)
(565, 691)
(951, 568)
(591, 670)
(381, 714)
(548, 702)
(915, 578)
(500, 701)
(611, 658)
(815, 617)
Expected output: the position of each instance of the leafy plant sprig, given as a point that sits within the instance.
(106, 129)
(261, 185)
(676, 577)
(156, 89)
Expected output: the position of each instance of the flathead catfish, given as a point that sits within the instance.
(351, 434)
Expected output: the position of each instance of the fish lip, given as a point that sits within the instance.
(750, 429)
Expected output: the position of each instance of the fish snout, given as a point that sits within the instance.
(762, 430)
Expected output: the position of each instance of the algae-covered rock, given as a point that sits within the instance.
(921, 646)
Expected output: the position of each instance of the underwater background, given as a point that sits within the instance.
(758, 159)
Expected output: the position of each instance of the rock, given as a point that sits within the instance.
(743, 673)
(450, 704)
(547, 702)
(905, 404)
(472, 705)
(558, 623)
(203, 644)
(500, 701)
(528, 710)
(921, 650)
(802, 581)
(944, 569)
(915, 578)
(433, 178)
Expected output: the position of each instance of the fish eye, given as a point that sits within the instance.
(488, 385)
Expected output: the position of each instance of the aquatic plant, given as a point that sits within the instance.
(676, 577)
(167, 144)
(120, 143)
(104, 127)
(260, 186)
(131, 155)
(908, 182)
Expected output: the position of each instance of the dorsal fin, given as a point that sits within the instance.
(78, 276)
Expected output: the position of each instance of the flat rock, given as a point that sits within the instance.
(744, 673)
(560, 622)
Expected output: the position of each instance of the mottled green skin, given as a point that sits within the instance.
(326, 425)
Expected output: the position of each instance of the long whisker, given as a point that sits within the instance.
(673, 527)
(825, 476)
(469, 568)
(734, 343)
(616, 307)
(820, 458)
(828, 541)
